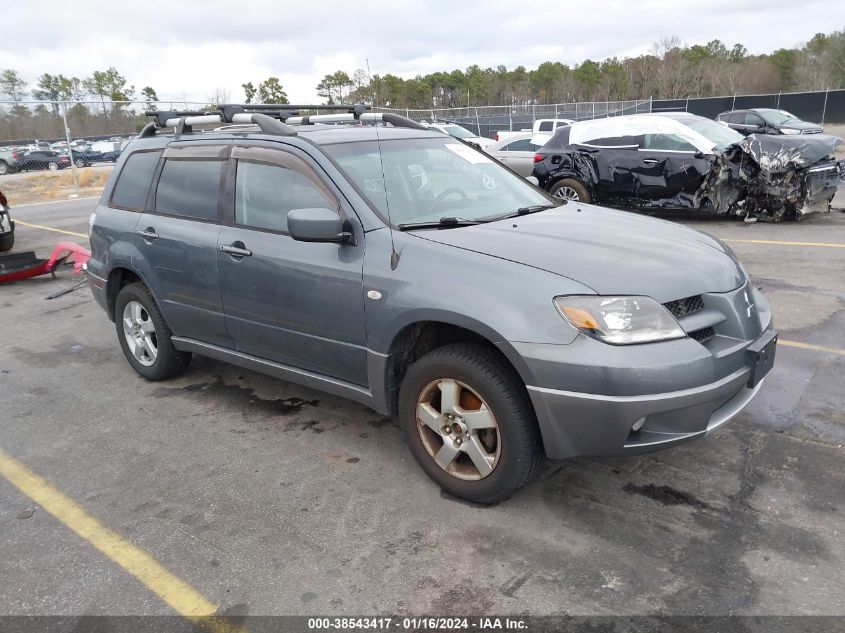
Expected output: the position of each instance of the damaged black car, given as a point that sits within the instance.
(680, 161)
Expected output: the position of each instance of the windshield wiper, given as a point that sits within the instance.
(442, 223)
(526, 210)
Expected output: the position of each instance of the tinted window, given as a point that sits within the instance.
(753, 119)
(667, 142)
(616, 141)
(265, 193)
(522, 145)
(190, 188)
(546, 126)
(132, 186)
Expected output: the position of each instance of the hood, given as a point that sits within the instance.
(778, 154)
(799, 125)
(612, 252)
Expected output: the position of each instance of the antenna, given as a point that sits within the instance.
(394, 256)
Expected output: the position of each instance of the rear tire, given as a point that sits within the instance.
(492, 417)
(79, 163)
(4, 168)
(572, 190)
(7, 242)
(144, 336)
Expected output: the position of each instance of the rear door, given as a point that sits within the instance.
(177, 238)
(296, 303)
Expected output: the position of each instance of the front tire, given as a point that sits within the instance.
(572, 190)
(469, 422)
(145, 337)
(7, 242)
(53, 165)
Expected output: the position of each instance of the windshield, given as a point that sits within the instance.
(720, 135)
(427, 179)
(777, 117)
(457, 131)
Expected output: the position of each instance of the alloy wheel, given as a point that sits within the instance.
(566, 193)
(140, 333)
(458, 429)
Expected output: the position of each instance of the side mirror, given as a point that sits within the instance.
(317, 225)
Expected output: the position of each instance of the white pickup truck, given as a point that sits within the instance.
(547, 126)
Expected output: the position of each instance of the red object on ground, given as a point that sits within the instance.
(26, 265)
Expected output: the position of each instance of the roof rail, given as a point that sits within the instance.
(271, 118)
(184, 121)
(385, 117)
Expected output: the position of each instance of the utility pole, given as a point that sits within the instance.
(70, 152)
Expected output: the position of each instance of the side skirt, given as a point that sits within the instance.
(375, 369)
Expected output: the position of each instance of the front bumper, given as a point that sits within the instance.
(588, 395)
(579, 424)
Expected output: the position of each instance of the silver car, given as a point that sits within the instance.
(517, 152)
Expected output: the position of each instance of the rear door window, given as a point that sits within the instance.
(546, 126)
(522, 145)
(190, 188)
(133, 184)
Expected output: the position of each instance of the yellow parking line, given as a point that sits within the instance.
(779, 243)
(812, 347)
(49, 228)
(179, 595)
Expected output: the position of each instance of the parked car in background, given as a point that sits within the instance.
(10, 159)
(517, 152)
(7, 226)
(545, 126)
(85, 156)
(43, 159)
(460, 132)
(682, 161)
(766, 121)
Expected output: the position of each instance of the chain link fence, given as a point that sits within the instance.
(487, 120)
(59, 150)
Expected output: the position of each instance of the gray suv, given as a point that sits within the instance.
(397, 267)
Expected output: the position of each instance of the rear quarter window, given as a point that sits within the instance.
(133, 183)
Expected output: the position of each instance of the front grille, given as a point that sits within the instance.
(703, 335)
(683, 307)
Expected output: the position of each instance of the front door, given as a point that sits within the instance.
(296, 303)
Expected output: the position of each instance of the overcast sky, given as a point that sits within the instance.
(186, 49)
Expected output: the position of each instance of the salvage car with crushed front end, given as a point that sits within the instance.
(680, 161)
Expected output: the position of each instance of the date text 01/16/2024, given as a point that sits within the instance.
(417, 624)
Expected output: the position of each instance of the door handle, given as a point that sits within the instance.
(148, 233)
(650, 161)
(235, 251)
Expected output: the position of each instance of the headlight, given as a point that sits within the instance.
(785, 130)
(620, 320)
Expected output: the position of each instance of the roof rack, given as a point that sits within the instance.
(271, 118)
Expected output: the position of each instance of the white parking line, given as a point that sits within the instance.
(37, 204)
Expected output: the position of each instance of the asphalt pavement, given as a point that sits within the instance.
(269, 498)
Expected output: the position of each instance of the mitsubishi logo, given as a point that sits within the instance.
(749, 303)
